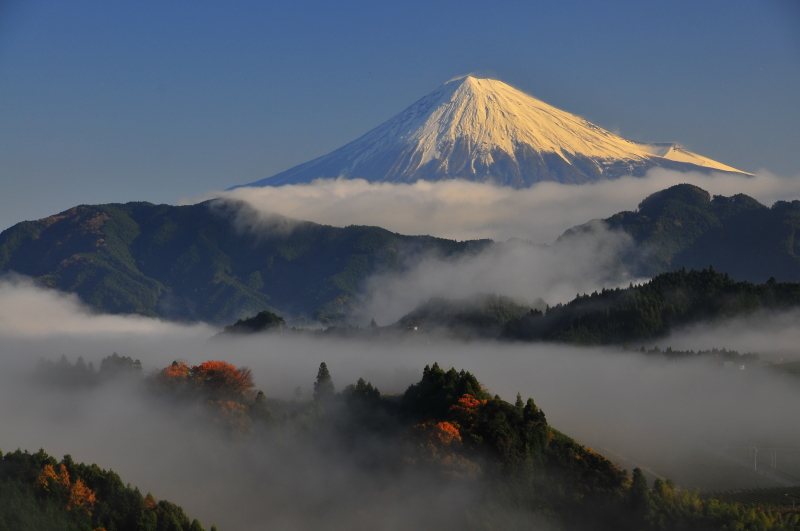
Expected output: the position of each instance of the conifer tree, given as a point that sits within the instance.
(323, 387)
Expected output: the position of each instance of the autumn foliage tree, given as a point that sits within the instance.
(75, 494)
(221, 380)
(215, 380)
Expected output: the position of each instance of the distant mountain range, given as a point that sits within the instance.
(484, 130)
(195, 262)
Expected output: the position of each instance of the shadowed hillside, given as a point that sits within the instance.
(193, 263)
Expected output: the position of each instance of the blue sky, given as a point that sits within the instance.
(120, 101)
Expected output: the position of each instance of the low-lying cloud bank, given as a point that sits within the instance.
(774, 334)
(31, 310)
(463, 210)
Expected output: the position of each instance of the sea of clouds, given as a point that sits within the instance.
(464, 210)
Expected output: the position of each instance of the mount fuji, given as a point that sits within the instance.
(487, 131)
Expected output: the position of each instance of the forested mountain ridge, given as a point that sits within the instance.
(611, 316)
(194, 262)
(684, 226)
(653, 309)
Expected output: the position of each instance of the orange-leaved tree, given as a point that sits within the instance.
(437, 435)
(464, 411)
(80, 496)
(173, 378)
(77, 494)
(221, 379)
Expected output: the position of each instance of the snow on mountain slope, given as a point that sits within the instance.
(484, 130)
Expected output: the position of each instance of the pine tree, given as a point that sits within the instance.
(323, 387)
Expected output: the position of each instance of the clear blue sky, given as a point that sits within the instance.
(156, 100)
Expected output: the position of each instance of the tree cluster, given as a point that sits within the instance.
(39, 493)
(211, 380)
(653, 309)
(63, 373)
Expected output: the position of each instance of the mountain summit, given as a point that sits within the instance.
(485, 130)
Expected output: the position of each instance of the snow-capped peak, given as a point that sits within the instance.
(485, 130)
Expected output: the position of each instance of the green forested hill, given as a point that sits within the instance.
(611, 316)
(39, 493)
(684, 226)
(652, 310)
(192, 262)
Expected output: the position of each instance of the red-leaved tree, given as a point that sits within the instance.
(221, 379)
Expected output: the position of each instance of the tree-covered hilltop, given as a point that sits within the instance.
(653, 309)
(482, 315)
(445, 430)
(684, 226)
(40, 493)
(261, 322)
(195, 263)
(632, 315)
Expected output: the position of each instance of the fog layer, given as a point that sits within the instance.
(463, 210)
(638, 407)
(528, 273)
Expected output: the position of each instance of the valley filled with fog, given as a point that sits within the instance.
(636, 407)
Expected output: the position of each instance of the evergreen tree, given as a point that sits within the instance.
(323, 387)
(638, 492)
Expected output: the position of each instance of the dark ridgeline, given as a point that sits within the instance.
(195, 263)
(652, 310)
(684, 226)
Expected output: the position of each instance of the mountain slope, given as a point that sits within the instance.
(484, 130)
(191, 262)
(684, 226)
